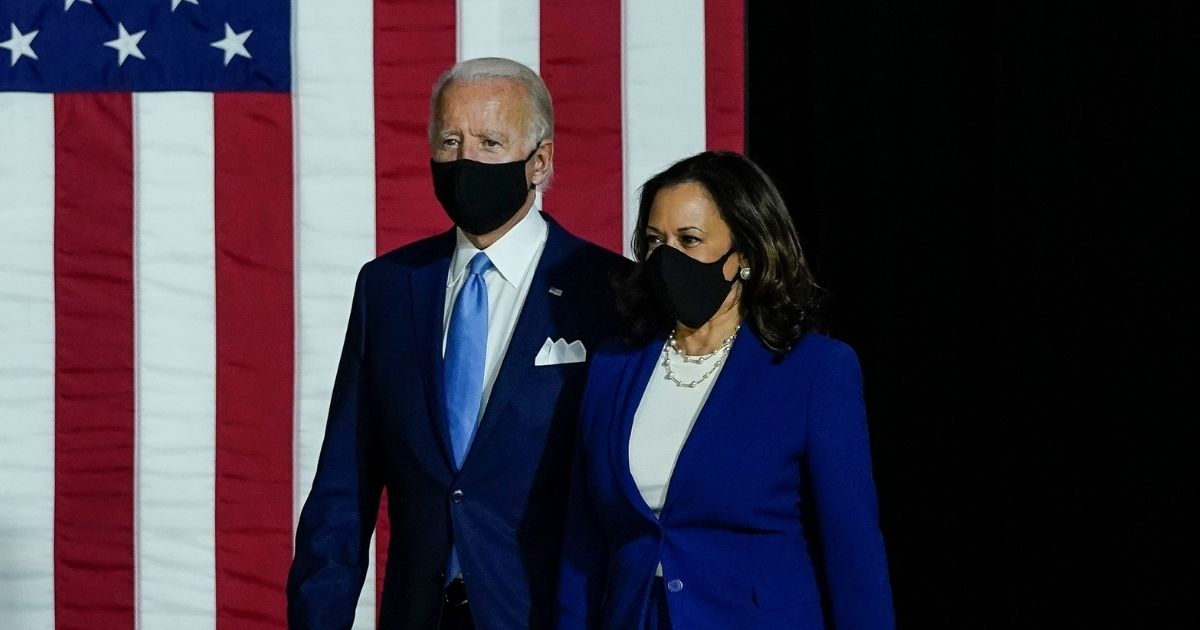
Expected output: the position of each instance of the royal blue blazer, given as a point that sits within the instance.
(770, 519)
(505, 508)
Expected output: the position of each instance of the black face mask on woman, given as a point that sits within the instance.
(690, 290)
(480, 197)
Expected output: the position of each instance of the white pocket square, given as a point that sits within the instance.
(559, 351)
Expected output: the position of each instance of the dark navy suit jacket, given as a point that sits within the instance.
(770, 519)
(386, 429)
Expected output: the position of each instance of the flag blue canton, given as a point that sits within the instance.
(145, 45)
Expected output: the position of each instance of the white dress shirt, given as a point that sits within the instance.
(514, 257)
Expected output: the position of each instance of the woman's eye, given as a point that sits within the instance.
(689, 240)
(652, 239)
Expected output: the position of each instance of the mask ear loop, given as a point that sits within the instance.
(721, 261)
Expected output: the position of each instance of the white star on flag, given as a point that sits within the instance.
(68, 3)
(175, 3)
(20, 45)
(126, 44)
(233, 44)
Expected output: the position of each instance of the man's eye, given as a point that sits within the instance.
(491, 144)
(450, 142)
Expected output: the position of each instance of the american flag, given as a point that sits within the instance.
(187, 190)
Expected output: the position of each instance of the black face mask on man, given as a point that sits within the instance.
(690, 290)
(480, 197)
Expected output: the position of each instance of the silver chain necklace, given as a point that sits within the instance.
(723, 350)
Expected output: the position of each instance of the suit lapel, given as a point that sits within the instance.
(633, 387)
(746, 358)
(429, 308)
(537, 321)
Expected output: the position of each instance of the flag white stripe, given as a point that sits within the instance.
(176, 360)
(500, 28)
(27, 361)
(335, 210)
(662, 79)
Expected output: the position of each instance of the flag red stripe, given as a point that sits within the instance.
(414, 43)
(254, 312)
(724, 74)
(383, 536)
(94, 361)
(581, 64)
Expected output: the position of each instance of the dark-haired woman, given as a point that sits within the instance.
(723, 476)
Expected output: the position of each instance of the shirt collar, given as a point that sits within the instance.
(512, 255)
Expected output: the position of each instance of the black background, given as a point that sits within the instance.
(997, 195)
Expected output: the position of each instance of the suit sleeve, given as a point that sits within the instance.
(338, 519)
(838, 469)
(582, 572)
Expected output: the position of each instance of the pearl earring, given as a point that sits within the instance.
(744, 273)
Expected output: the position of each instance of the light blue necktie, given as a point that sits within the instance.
(466, 349)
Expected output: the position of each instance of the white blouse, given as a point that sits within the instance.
(663, 421)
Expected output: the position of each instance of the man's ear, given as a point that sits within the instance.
(543, 157)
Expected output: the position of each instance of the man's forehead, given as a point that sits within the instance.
(492, 107)
(506, 91)
(507, 128)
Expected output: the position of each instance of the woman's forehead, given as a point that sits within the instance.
(684, 204)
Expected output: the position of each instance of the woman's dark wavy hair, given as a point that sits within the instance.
(780, 298)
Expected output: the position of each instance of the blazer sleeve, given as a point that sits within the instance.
(838, 470)
(582, 572)
(334, 534)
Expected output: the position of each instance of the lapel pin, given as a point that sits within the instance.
(556, 292)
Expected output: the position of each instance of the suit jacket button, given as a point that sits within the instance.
(456, 496)
(675, 585)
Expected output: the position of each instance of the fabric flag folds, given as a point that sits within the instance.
(187, 190)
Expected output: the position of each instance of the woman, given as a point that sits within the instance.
(723, 476)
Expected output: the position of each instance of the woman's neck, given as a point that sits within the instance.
(710, 336)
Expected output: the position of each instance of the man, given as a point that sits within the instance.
(459, 383)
